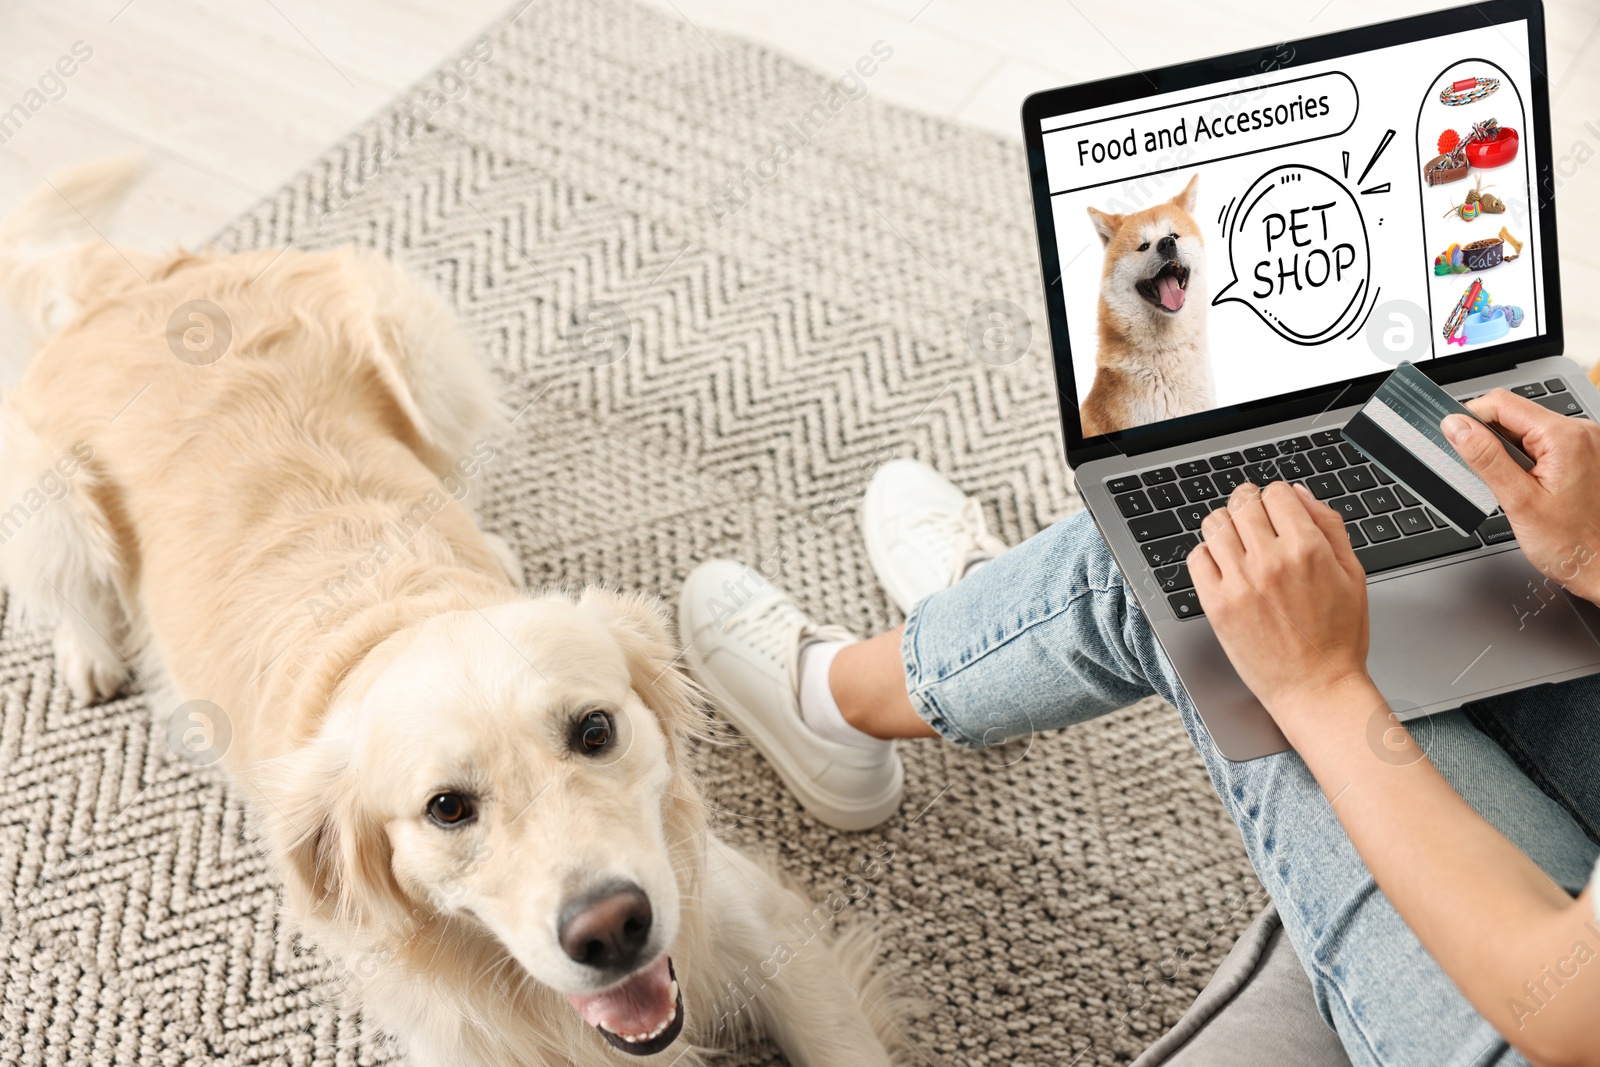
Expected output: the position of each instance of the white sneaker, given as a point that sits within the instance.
(742, 639)
(922, 533)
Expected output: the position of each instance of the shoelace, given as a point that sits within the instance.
(778, 629)
(962, 537)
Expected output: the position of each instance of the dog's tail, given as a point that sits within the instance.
(51, 255)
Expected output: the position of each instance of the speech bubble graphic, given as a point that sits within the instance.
(1299, 252)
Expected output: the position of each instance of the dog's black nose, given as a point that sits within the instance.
(1168, 246)
(607, 929)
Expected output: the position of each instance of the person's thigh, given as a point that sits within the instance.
(1553, 733)
(1049, 635)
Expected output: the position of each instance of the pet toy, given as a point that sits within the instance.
(1491, 144)
(1468, 211)
(1466, 90)
(1450, 164)
(1477, 319)
(1464, 307)
(1488, 203)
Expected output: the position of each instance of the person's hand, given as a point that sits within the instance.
(1555, 507)
(1286, 597)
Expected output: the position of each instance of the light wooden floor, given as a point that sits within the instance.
(232, 98)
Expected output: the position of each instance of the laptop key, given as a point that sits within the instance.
(1382, 475)
(1380, 528)
(1158, 524)
(1166, 496)
(1260, 453)
(1172, 579)
(1379, 501)
(1192, 515)
(1355, 479)
(1555, 385)
(1156, 477)
(1198, 488)
(1398, 552)
(1531, 390)
(1295, 444)
(1357, 538)
(1560, 403)
(1348, 507)
(1326, 459)
(1352, 455)
(1228, 480)
(1406, 499)
(1227, 460)
(1185, 605)
(1296, 467)
(1496, 530)
(1324, 486)
(1326, 437)
(1412, 521)
(1125, 484)
(1192, 469)
(1168, 551)
(1261, 473)
(1134, 504)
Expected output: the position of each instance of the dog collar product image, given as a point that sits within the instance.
(1467, 90)
(1491, 144)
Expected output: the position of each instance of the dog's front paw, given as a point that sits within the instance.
(90, 679)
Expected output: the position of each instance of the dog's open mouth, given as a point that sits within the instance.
(642, 1015)
(1167, 287)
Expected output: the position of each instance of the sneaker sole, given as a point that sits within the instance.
(841, 813)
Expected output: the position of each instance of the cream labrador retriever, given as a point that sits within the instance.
(479, 799)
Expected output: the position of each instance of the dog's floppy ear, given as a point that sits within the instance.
(639, 624)
(334, 853)
(1105, 224)
(1186, 199)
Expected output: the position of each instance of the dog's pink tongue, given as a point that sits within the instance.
(638, 1006)
(1171, 292)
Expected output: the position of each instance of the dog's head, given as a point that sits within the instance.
(515, 774)
(1155, 259)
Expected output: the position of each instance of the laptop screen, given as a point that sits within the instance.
(1301, 224)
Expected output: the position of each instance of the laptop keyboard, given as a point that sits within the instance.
(1388, 526)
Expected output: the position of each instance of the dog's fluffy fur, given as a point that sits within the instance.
(285, 532)
(1152, 362)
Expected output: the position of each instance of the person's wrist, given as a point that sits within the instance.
(1335, 702)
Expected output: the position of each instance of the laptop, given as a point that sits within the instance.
(1237, 251)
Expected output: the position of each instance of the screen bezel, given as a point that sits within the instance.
(1143, 84)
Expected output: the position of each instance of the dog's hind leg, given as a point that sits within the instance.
(58, 557)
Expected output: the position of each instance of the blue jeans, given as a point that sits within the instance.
(1048, 635)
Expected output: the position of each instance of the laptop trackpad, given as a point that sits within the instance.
(1446, 636)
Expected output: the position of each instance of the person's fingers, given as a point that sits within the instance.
(1250, 517)
(1287, 512)
(1484, 453)
(1331, 525)
(1226, 549)
(1203, 570)
(1516, 415)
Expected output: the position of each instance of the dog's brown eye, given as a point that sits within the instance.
(1145, 247)
(592, 733)
(450, 809)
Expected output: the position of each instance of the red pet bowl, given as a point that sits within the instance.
(1495, 152)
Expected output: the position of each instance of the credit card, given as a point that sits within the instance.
(1398, 430)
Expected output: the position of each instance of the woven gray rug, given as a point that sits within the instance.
(720, 289)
